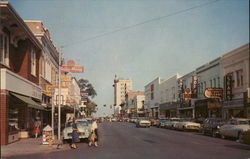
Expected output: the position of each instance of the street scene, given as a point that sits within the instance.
(135, 79)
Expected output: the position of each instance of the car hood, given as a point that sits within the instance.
(191, 123)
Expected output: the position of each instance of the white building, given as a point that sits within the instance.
(152, 97)
(209, 76)
(187, 95)
(134, 105)
(168, 97)
(121, 88)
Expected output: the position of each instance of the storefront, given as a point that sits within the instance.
(234, 108)
(22, 113)
(168, 110)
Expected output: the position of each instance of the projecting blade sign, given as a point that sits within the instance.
(71, 67)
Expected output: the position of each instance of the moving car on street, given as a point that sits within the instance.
(211, 126)
(234, 128)
(187, 124)
(82, 126)
(143, 122)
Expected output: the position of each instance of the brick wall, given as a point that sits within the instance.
(3, 116)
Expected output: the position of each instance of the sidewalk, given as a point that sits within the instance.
(29, 146)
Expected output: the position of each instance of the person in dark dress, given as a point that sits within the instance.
(75, 136)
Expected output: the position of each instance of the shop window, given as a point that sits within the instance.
(13, 120)
(4, 49)
(33, 62)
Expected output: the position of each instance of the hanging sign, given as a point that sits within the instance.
(71, 67)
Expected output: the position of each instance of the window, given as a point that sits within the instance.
(239, 78)
(211, 83)
(33, 62)
(214, 83)
(218, 82)
(4, 49)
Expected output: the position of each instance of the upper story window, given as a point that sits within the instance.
(33, 61)
(239, 78)
(4, 49)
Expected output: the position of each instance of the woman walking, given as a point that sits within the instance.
(75, 136)
(94, 129)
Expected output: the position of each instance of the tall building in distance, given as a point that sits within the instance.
(121, 88)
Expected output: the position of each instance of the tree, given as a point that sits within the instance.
(87, 87)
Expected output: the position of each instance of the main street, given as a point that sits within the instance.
(125, 141)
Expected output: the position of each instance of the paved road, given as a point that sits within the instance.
(125, 141)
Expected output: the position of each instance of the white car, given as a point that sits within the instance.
(171, 123)
(143, 122)
(234, 127)
(187, 124)
(83, 130)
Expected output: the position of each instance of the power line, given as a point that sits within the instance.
(144, 22)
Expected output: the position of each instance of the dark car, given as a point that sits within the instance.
(211, 126)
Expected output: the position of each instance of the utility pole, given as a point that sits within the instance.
(52, 112)
(59, 98)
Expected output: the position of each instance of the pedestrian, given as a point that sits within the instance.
(37, 127)
(94, 129)
(75, 136)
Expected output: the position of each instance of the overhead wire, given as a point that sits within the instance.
(141, 23)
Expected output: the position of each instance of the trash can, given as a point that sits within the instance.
(47, 136)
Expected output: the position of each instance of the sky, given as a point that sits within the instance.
(139, 39)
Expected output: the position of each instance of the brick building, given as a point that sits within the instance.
(19, 68)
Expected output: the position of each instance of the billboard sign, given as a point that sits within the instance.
(213, 93)
(71, 67)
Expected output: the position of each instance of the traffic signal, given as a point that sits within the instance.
(228, 83)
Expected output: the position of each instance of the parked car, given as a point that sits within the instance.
(187, 124)
(171, 122)
(83, 130)
(153, 121)
(161, 123)
(143, 122)
(245, 137)
(114, 119)
(234, 128)
(211, 126)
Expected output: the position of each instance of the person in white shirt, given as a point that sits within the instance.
(94, 128)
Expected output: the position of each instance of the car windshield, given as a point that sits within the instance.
(82, 123)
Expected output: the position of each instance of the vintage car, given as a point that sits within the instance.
(171, 123)
(82, 126)
(187, 124)
(143, 122)
(234, 128)
(154, 122)
(211, 126)
(161, 123)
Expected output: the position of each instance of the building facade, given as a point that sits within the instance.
(21, 94)
(121, 88)
(152, 97)
(168, 97)
(209, 76)
(134, 104)
(187, 95)
(235, 65)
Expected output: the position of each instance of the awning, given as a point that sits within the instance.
(31, 103)
(168, 106)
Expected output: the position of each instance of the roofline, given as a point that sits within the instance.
(21, 22)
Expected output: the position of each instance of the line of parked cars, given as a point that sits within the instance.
(237, 128)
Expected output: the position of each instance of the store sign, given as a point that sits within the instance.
(66, 78)
(49, 89)
(71, 67)
(213, 93)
